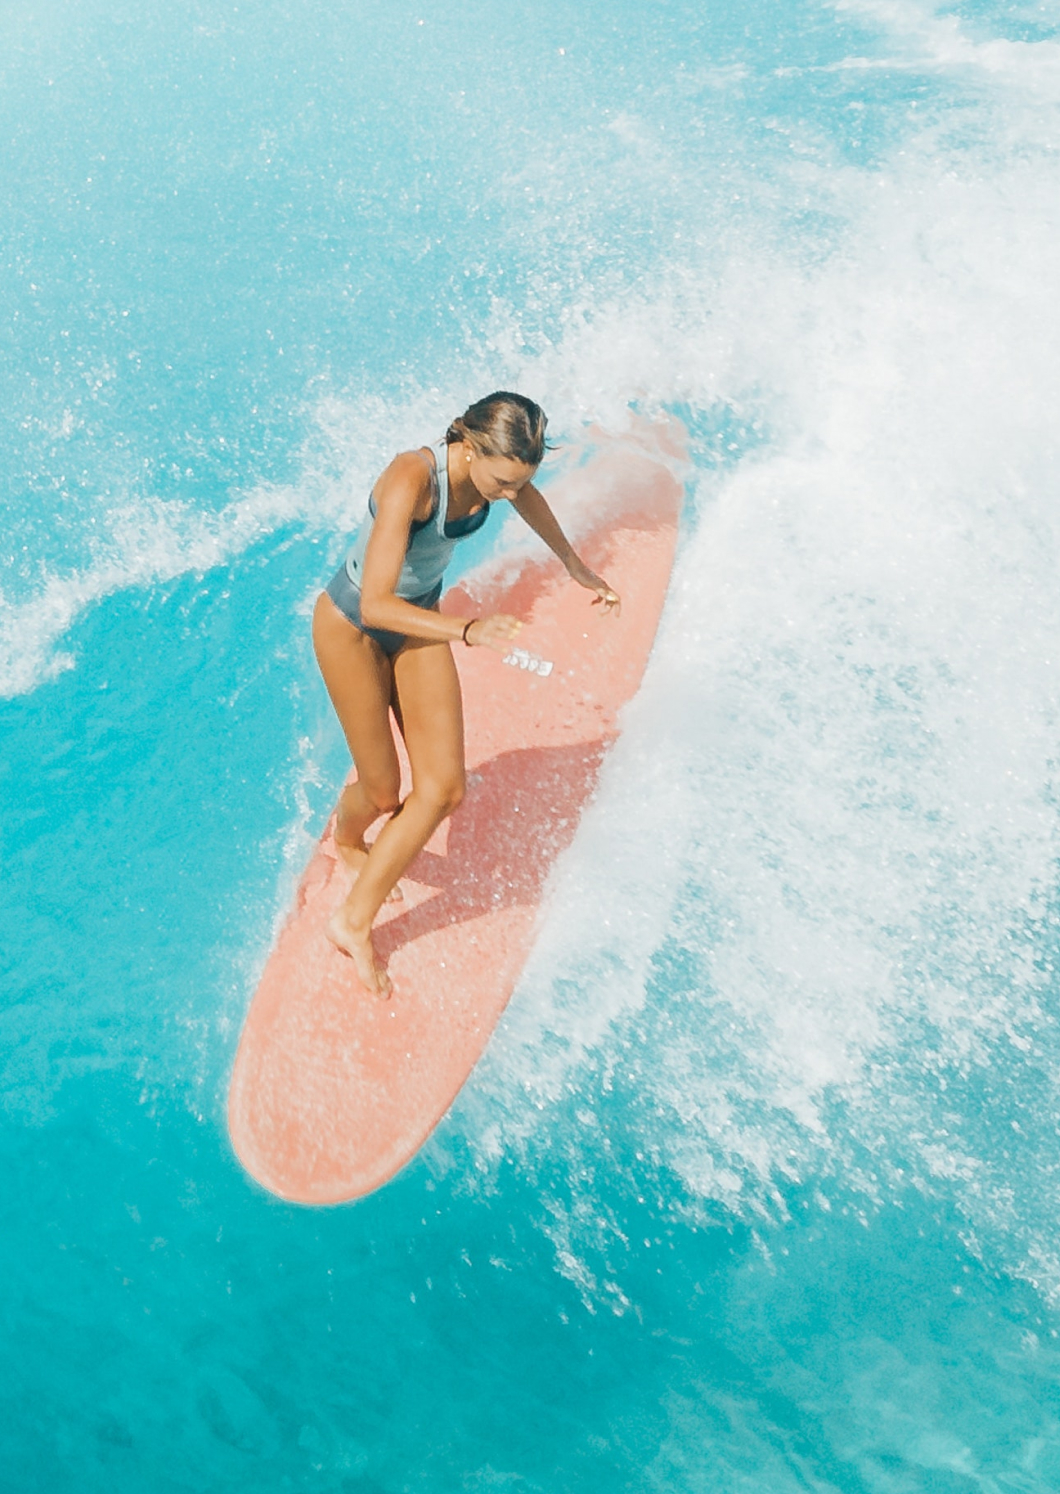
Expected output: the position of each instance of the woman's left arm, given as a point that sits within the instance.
(531, 506)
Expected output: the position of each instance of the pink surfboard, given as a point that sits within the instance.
(334, 1089)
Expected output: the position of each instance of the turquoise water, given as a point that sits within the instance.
(757, 1188)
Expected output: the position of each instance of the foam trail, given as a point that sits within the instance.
(835, 795)
(136, 540)
(147, 542)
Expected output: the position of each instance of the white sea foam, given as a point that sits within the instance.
(146, 542)
(835, 790)
(140, 540)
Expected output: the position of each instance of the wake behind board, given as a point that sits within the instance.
(334, 1089)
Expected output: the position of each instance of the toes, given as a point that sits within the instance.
(370, 974)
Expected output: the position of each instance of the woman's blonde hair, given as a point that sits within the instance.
(503, 425)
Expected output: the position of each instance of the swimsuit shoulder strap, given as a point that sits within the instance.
(441, 485)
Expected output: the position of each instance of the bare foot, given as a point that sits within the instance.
(359, 948)
(354, 857)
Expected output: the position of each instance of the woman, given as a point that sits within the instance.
(381, 642)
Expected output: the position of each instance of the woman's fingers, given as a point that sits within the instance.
(604, 593)
(495, 631)
(611, 599)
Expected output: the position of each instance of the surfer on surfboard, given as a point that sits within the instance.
(382, 644)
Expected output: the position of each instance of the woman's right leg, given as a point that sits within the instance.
(359, 680)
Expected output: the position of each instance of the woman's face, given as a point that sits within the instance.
(497, 477)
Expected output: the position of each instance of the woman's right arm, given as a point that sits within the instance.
(404, 488)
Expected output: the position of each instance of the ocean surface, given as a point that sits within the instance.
(757, 1189)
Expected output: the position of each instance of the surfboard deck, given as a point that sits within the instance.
(334, 1089)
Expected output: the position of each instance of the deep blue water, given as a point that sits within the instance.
(756, 1189)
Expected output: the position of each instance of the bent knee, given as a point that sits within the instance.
(381, 796)
(384, 798)
(445, 795)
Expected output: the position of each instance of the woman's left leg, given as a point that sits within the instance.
(427, 691)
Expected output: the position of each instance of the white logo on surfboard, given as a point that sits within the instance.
(518, 658)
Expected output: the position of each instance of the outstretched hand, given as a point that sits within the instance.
(611, 600)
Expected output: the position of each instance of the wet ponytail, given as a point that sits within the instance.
(503, 425)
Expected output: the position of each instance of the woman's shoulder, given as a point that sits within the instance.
(417, 465)
(408, 479)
